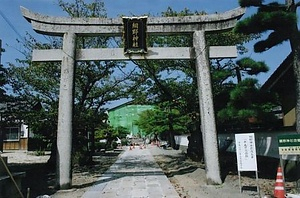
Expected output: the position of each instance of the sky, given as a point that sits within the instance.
(13, 26)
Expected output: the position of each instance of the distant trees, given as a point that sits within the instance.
(165, 117)
(109, 134)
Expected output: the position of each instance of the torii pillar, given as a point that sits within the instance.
(196, 25)
(210, 140)
(65, 112)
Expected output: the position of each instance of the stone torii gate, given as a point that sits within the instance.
(196, 25)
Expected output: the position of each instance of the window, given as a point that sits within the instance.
(12, 133)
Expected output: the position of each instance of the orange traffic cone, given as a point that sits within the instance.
(279, 191)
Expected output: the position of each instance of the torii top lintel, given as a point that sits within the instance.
(57, 26)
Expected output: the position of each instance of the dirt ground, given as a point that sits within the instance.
(40, 179)
(187, 176)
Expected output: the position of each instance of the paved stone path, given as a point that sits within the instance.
(134, 175)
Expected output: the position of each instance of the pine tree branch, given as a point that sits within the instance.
(273, 39)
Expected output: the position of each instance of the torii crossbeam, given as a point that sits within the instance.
(196, 25)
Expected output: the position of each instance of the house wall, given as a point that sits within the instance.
(20, 143)
(266, 143)
(289, 118)
(283, 82)
(288, 99)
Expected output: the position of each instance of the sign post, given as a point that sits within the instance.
(246, 155)
(288, 145)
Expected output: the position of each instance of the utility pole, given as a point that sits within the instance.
(1, 132)
(1, 50)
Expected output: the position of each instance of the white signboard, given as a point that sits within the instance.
(246, 152)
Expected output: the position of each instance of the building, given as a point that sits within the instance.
(14, 134)
(125, 115)
(15, 137)
(283, 82)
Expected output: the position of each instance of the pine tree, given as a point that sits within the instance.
(280, 21)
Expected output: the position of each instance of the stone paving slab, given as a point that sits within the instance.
(134, 175)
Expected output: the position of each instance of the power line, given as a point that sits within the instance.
(11, 25)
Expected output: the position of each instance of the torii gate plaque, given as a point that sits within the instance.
(69, 28)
